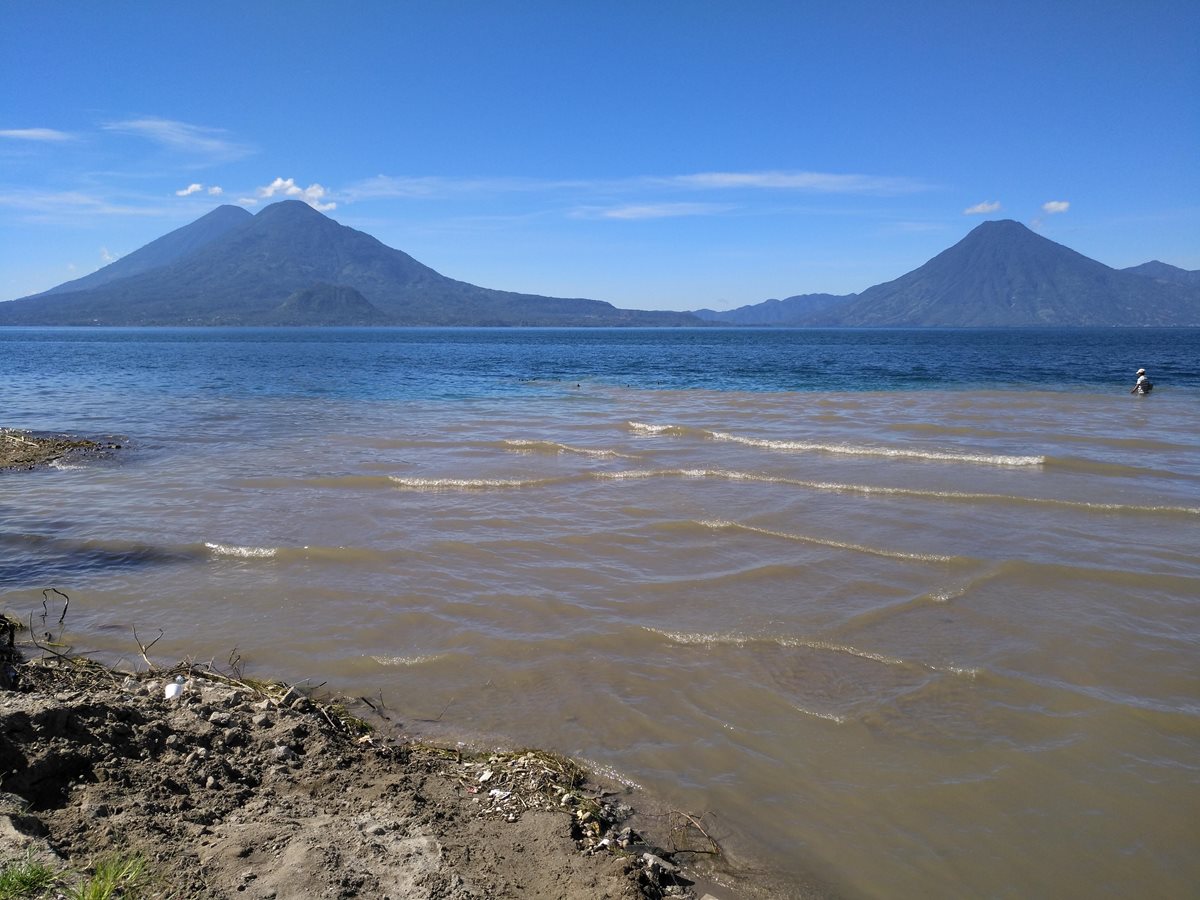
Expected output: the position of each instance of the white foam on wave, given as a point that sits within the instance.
(665, 473)
(241, 552)
(555, 447)
(890, 452)
(969, 672)
(844, 648)
(450, 484)
(647, 428)
(702, 638)
(957, 496)
(655, 429)
(829, 717)
(707, 639)
(407, 660)
(718, 524)
(66, 466)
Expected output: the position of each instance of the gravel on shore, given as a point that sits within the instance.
(249, 789)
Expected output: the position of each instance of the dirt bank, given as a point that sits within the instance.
(250, 790)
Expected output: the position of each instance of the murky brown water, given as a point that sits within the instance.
(921, 644)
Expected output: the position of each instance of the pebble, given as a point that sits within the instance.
(653, 861)
(13, 804)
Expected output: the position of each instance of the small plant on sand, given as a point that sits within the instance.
(24, 879)
(124, 877)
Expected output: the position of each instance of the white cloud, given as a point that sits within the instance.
(247, 201)
(650, 211)
(215, 191)
(189, 190)
(192, 139)
(106, 256)
(312, 195)
(1056, 206)
(980, 209)
(36, 134)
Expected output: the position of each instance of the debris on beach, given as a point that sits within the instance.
(231, 787)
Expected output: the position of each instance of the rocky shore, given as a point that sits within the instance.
(231, 788)
(25, 450)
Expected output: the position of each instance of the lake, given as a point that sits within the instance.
(913, 613)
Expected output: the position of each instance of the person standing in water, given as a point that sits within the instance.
(1143, 385)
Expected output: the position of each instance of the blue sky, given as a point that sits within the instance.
(658, 155)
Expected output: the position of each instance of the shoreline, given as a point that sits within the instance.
(238, 787)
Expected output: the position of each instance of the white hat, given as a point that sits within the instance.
(1141, 371)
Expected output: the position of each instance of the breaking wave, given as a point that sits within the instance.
(531, 446)
(685, 638)
(407, 660)
(464, 484)
(718, 524)
(236, 552)
(933, 455)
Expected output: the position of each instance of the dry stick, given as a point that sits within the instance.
(716, 848)
(44, 647)
(444, 708)
(329, 719)
(66, 604)
(46, 609)
(146, 647)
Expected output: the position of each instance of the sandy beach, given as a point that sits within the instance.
(227, 788)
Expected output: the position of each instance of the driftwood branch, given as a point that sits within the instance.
(145, 648)
(46, 608)
(694, 820)
(45, 648)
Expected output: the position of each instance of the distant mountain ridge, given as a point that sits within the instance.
(233, 268)
(291, 265)
(1160, 271)
(1000, 274)
(164, 250)
(776, 312)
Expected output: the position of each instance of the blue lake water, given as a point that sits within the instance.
(910, 612)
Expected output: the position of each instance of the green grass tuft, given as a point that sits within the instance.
(25, 879)
(124, 877)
